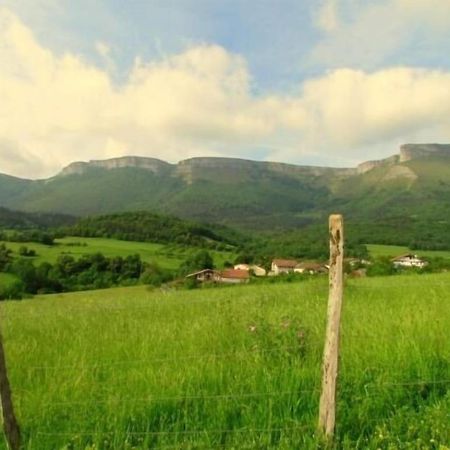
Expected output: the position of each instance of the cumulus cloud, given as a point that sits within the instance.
(353, 109)
(327, 16)
(55, 109)
(364, 34)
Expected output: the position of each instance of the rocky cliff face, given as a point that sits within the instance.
(414, 151)
(194, 168)
(369, 165)
(152, 164)
(408, 152)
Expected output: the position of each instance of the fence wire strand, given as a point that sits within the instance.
(182, 432)
(252, 351)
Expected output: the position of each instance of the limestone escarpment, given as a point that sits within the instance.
(152, 164)
(414, 151)
(206, 167)
(369, 165)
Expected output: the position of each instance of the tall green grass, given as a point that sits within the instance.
(235, 368)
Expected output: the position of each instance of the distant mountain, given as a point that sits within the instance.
(412, 185)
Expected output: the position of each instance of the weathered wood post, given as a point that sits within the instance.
(10, 424)
(327, 411)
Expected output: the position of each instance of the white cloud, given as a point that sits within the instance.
(103, 49)
(57, 109)
(364, 34)
(327, 16)
(352, 109)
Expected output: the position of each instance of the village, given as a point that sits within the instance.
(242, 272)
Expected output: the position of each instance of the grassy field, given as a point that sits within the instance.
(396, 250)
(7, 278)
(233, 368)
(169, 257)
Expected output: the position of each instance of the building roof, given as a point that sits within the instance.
(235, 273)
(242, 266)
(255, 267)
(406, 255)
(309, 265)
(291, 263)
(200, 272)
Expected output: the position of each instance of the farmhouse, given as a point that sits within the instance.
(225, 276)
(257, 270)
(242, 267)
(204, 275)
(283, 266)
(408, 260)
(233, 276)
(310, 267)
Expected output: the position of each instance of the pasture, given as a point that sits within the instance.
(376, 250)
(167, 256)
(231, 368)
(6, 279)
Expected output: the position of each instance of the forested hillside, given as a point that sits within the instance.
(404, 199)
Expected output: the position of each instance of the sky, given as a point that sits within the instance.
(312, 82)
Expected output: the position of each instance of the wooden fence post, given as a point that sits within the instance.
(327, 411)
(10, 424)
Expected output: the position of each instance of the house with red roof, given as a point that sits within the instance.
(233, 276)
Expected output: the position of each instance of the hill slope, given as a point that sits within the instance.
(248, 194)
(24, 220)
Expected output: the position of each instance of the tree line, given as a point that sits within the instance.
(92, 271)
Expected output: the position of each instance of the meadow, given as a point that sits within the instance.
(231, 368)
(376, 250)
(167, 256)
(7, 279)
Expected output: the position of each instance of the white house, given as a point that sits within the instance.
(310, 267)
(408, 260)
(242, 267)
(204, 275)
(257, 270)
(280, 266)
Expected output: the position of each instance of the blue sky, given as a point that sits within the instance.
(329, 82)
(275, 36)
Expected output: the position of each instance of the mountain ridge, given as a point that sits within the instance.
(407, 152)
(243, 193)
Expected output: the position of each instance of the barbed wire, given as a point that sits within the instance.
(251, 351)
(212, 397)
(178, 432)
(155, 399)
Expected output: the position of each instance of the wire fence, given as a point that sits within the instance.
(237, 395)
(164, 302)
(182, 432)
(364, 389)
(187, 436)
(254, 351)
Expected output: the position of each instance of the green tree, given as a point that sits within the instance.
(5, 257)
(199, 261)
(26, 271)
